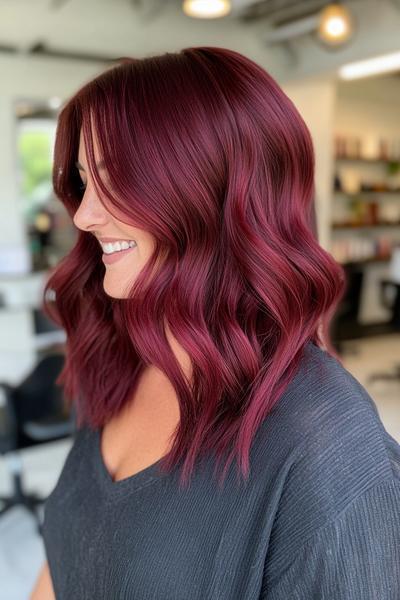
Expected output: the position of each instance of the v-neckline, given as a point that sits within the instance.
(132, 482)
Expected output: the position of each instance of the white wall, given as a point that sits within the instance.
(308, 94)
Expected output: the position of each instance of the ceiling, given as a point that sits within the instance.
(102, 29)
(93, 31)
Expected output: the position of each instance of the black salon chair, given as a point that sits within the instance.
(32, 413)
(390, 298)
(345, 323)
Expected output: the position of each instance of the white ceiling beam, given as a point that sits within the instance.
(291, 30)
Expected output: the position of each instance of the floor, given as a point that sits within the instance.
(21, 547)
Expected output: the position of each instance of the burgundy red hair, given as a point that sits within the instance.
(205, 151)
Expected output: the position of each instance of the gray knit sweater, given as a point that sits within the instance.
(318, 518)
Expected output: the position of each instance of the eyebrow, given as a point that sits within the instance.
(99, 165)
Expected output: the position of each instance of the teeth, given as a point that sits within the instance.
(111, 247)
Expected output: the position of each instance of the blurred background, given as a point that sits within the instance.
(338, 62)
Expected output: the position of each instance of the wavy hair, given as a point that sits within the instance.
(205, 151)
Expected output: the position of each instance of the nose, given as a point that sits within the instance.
(91, 213)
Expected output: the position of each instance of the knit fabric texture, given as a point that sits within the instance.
(318, 518)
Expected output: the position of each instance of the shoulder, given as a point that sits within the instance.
(337, 446)
(341, 467)
(340, 425)
(355, 554)
(332, 429)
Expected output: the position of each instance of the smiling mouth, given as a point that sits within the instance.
(116, 246)
(115, 256)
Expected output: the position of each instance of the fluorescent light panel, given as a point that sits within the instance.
(371, 66)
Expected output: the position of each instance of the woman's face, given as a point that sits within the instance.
(122, 266)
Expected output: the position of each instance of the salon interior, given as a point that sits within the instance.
(340, 65)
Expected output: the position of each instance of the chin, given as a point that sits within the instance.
(113, 292)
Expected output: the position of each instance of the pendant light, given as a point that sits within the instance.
(335, 25)
(206, 9)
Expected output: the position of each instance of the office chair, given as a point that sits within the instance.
(33, 413)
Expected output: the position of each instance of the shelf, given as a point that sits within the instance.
(366, 160)
(337, 226)
(374, 259)
(366, 193)
(361, 236)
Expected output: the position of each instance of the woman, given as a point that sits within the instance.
(197, 304)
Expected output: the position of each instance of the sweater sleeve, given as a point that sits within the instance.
(354, 556)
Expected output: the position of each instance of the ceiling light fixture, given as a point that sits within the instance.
(335, 25)
(371, 66)
(206, 9)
